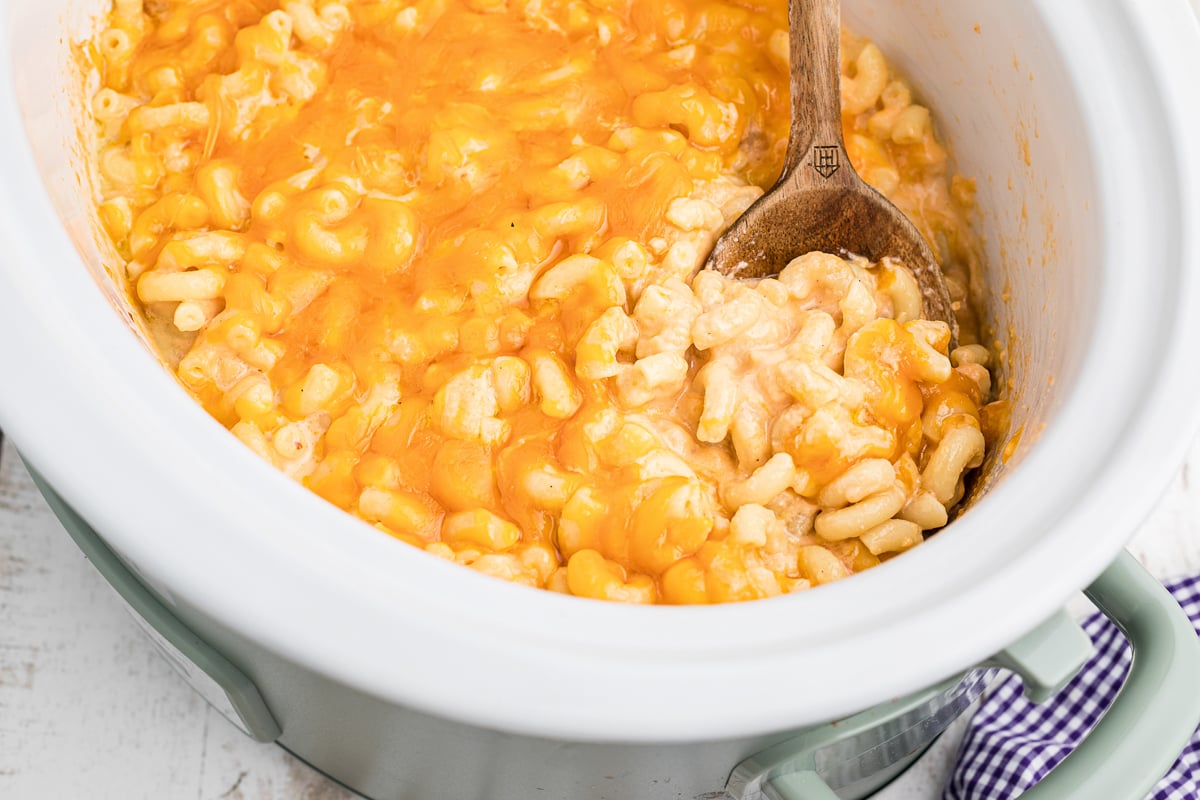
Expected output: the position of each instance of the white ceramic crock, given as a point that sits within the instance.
(1074, 116)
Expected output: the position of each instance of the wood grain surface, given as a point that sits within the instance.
(819, 202)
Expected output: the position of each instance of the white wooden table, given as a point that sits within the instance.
(89, 710)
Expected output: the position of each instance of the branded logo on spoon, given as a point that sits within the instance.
(825, 160)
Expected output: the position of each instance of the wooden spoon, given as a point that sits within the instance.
(819, 202)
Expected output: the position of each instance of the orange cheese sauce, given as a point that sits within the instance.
(429, 258)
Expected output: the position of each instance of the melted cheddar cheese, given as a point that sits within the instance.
(437, 261)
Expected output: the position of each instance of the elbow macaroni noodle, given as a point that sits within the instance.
(438, 262)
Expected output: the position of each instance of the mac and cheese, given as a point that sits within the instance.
(437, 260)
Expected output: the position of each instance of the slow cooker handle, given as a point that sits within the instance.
(1158, 707)
(1145, 728)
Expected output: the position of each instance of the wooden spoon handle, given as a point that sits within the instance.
(816, 155)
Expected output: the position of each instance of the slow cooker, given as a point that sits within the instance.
(405, 677)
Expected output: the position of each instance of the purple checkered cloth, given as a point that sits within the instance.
(1013, 743)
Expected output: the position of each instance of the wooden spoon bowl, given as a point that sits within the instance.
(819, 201)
